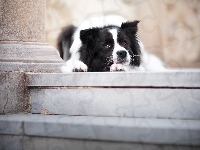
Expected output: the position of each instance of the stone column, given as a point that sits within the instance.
(22, 49)
(22, 40)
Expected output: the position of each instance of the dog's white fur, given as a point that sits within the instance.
(149, 62)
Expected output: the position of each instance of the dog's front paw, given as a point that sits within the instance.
(80, 67)
(74, 66)
(116, 67)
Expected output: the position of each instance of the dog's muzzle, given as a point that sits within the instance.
(122, 57)
(121, 54)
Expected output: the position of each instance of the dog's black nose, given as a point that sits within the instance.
(121, 53)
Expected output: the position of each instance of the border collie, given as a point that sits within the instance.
(107, 43)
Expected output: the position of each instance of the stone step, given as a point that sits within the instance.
(83, 132)
(174, 94)
(174, 78)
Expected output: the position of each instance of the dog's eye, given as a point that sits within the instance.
(107, 46)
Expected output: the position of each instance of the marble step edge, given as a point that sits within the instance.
(170, 79)
(135, 130)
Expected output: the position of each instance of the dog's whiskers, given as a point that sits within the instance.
(109, 61)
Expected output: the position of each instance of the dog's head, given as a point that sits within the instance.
(102, 47)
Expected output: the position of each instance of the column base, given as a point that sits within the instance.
(17, 58)
(29, 56)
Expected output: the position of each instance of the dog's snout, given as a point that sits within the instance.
(121, 53)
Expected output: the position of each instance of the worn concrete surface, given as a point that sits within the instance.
(115, 129)
(9, 142)
(13, 93)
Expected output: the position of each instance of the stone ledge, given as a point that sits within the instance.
(185, 78)
(29, 67)
(153, 131)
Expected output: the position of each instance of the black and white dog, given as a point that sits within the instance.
(107, 43)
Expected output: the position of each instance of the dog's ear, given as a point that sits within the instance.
(89, 35)
(131, 27)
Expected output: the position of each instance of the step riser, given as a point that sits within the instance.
(128, 102)
(40, 143)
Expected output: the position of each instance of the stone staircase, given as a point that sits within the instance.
(141, 110)
(173, 94)
(89, 132)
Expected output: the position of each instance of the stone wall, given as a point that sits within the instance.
(169, 29)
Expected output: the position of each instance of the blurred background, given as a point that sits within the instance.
(169, 29)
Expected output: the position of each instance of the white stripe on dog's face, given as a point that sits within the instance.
(117, 47)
